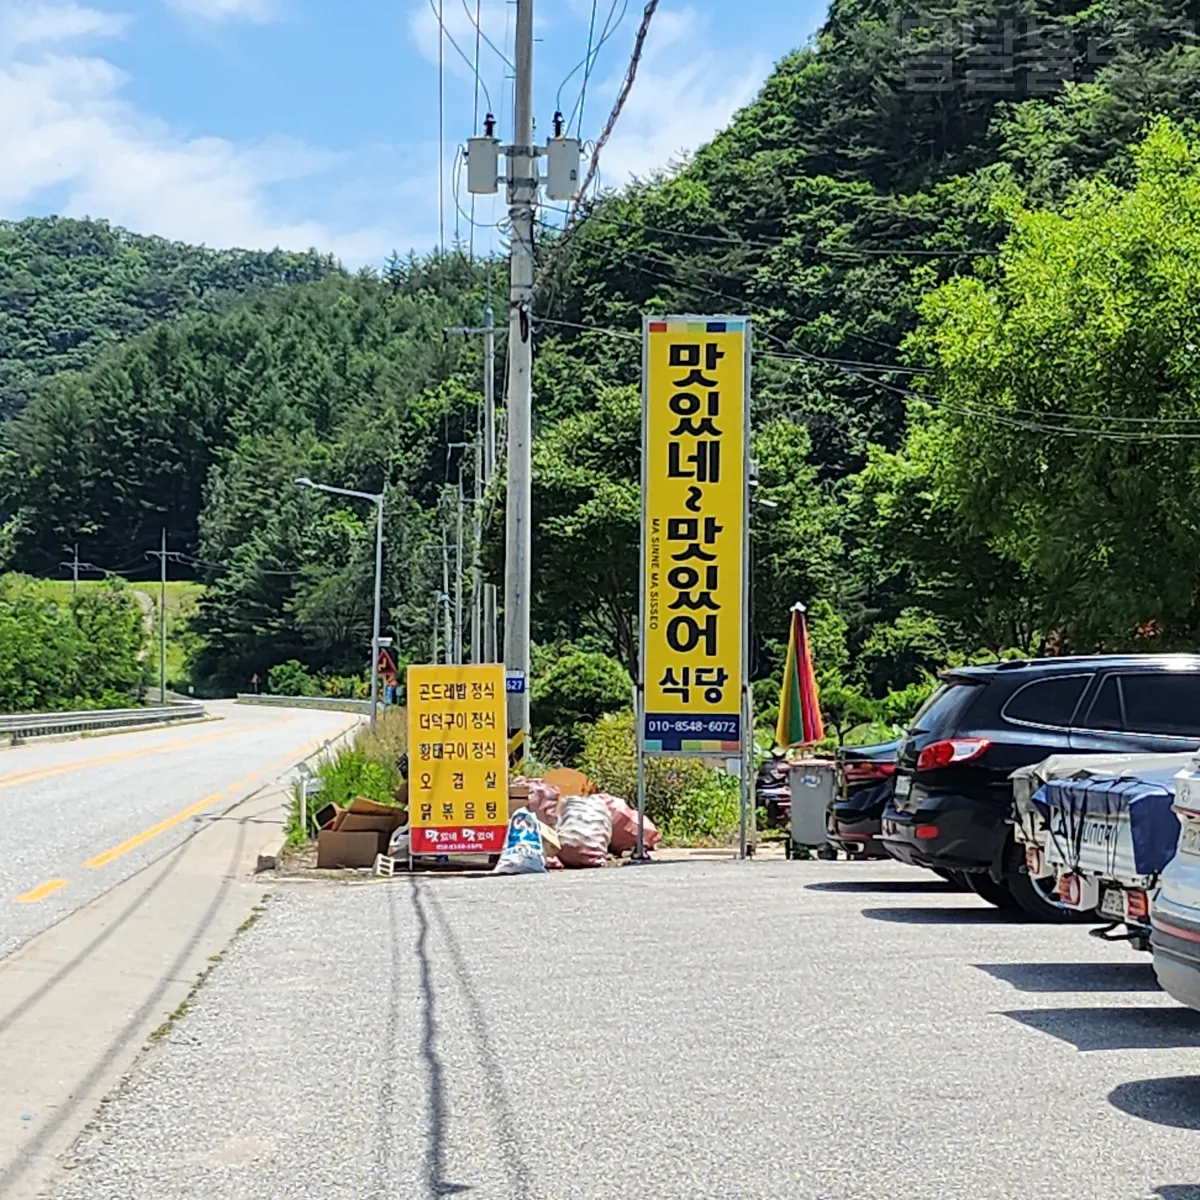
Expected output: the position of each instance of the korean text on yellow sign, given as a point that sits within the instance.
(457, 759)
(693, 533)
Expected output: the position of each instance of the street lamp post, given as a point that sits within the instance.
(377, 500)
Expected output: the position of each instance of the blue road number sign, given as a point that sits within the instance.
(514, 682)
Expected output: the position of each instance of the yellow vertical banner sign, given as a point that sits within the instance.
(457, 759)
(694, 539)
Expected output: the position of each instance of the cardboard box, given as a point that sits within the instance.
(570, 782)
(327, 817)
(336, 848)
(365, 816)
(551, 842)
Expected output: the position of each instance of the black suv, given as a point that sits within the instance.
(952, 797)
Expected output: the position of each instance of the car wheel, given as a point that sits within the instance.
(986, 888)
(1034, 898)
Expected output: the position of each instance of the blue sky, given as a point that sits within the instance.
(315, 122)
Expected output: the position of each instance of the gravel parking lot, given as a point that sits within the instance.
(677, 1031)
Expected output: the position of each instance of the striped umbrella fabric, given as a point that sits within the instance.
(800, 721)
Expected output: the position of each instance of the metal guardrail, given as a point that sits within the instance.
(326, 702)
(25, 725)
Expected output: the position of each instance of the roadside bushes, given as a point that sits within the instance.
(87, 653)
(293, 678)
(576, 690)
(687, 800)
(367, 768)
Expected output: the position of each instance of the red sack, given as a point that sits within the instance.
(625, 826)
(544, 800)
(585, 829)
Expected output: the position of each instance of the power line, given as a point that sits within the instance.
(474, 124)
(1041, 421)
(459, 50)
(635, 59)
(484, 37)
(774, 244)
(587, 74)
(588, 62)
(441, 128)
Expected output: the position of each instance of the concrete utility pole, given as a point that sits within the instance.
(458, 571)
(484, 594)
(446, 587)
(476, 576)
(489, 466)
(162, 624)
(522, 195)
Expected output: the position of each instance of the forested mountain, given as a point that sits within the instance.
(945, 425)
(71, 289)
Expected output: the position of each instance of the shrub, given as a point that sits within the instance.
(368, 768)
(609, 757)
(353, 773)
(709, 810)
(82, 654)
(574, 692)
(292, 678)
(345, 687)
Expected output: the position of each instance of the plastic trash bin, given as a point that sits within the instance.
(814, 789)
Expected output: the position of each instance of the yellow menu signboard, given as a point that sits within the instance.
(457, 759)
(694, 500)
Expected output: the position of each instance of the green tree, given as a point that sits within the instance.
(576, 690)
(1064, 390)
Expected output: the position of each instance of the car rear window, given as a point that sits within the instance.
(1046, 701)
(946, 708)
(1166, 703)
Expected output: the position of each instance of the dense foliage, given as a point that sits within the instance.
(71, 289)
(88, 653)
(973, 275)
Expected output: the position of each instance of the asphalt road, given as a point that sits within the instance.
(79, 817)
(676, 1031)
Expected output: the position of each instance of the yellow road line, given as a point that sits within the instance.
(15, 778)
(140, 839)
(42, 891)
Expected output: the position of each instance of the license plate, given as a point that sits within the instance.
(1189, 839)
(1112, 904)
(1098, 833)
(903, 786)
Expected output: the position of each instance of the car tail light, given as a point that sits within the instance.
(1137, 905)
(951, 751)
(860, 772)
(1070, 890)
(926, 832)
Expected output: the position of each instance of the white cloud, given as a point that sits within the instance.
(224, 10)
(68, 128)
(685, 92)
(38, 24)
(460, 26)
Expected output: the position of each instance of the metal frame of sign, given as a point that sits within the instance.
(745, 697)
